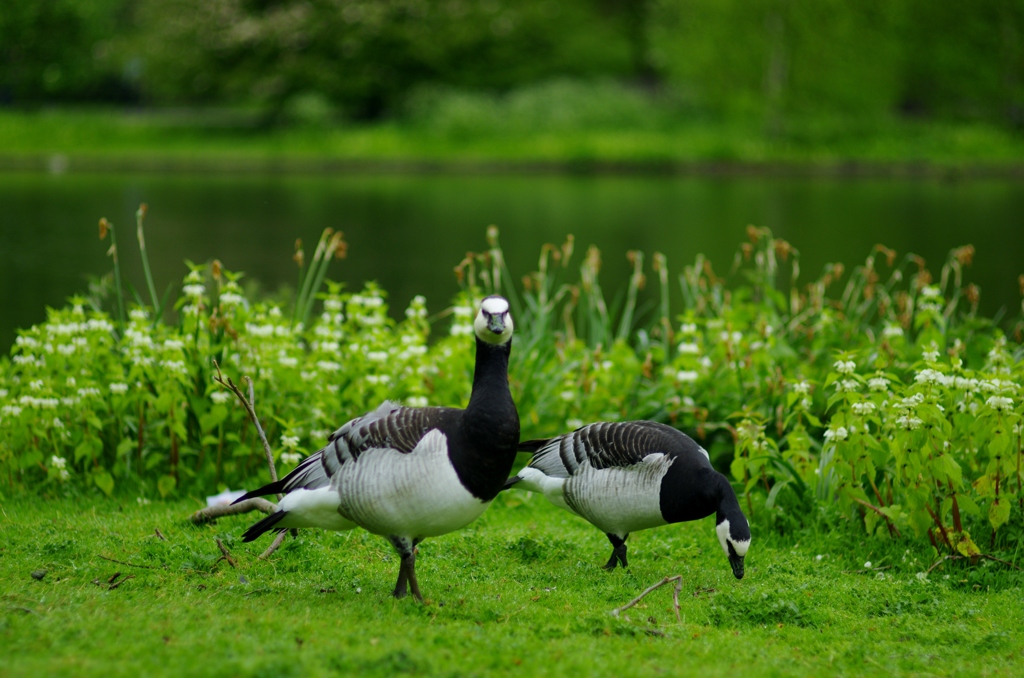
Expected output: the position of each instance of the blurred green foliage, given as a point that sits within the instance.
(318, 61)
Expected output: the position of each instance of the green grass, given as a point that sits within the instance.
(101, 139)
(520, 592)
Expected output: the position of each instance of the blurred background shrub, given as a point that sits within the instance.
(463, 62)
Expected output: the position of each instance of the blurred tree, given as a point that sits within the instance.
(60, 50)
(366, 55)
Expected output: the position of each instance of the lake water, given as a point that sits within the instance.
(407, 232)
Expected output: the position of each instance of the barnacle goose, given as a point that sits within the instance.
(408, 473)
(628, 476)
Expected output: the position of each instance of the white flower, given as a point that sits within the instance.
(220, 397)
(574, 424)
(137, 314)
(119, 388)
(57, 423)
(929, 376)
(377, 356)
(931, 291)
(65, 349)
(463, 312)
(11, 410)
(328, 366)
(688, 348)
(688, 328)
(845, 366)
(274, 312)
(287, 361)
(63, 474)
(26, 342)
(1000, 403)
(837, 434)
(290, 458)
(230, 299)
(686, 375)
(88, 392)
(846, 386)
(705, 362)
(416, 401)
(461, 330)
(892, 331)
(58, 462)
(734, 337)
(930, 356)
(863, 408)
(377, 379)
(908, 422)
(801, 387)
(177, 366)
(819, 556)
(259, 330)
(567, 396)
(878, 383)
(867, 565)
(290, 441)
(194, 290)
(173, 345)
(99, 324)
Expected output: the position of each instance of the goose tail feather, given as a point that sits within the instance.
(264, 525)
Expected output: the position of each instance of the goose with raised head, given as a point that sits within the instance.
(407, 473)
(627, 476)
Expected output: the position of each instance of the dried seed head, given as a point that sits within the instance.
(964, 255)
(104, 228)
(215, 269)
(492, 235)
(340, 247)
(143, 208)
(890, 255)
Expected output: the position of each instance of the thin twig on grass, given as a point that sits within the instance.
(160, 534)
(888, 521)
(273, 546)
(121, 562)
(865, 571)
(227, 554)
(959, 557)
(675, 596)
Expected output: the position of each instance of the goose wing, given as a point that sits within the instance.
(389, 426)
(603, 445)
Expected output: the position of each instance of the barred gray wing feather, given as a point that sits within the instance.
(389, 426)
(603, 445)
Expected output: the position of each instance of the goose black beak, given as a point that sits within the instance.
(496, 323)
(737, 565)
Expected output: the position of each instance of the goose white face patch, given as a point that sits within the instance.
(724, 539)
(493, 323)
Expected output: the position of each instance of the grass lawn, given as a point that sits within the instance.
(520, 592)
(98, 139)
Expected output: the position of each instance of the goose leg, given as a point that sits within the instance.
(406, 550)
(618, 551)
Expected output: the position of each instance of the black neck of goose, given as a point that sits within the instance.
(688, 494)
(490, 423)
(729, 506)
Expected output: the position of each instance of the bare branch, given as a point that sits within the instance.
(250, 407)
(888, 521)
(678, 578)
(211, 513)
(273, 546)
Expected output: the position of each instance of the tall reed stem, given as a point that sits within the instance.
(140, 215)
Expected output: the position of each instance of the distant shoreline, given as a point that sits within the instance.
(158, 163)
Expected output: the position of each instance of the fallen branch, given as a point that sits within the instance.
(211, 513)
(865, 571)
(675, 596)
(160, 534)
